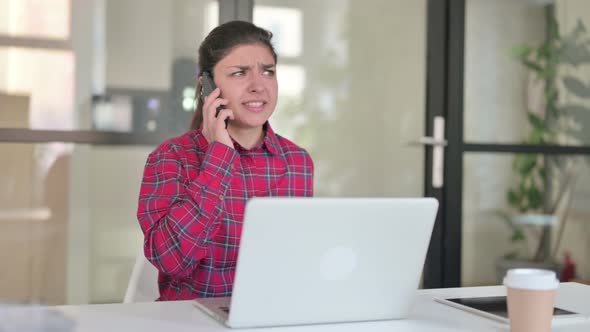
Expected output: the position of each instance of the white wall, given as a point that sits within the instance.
(144, 37)
(192, 22)
(139, 43)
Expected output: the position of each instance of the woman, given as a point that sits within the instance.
(195, 186)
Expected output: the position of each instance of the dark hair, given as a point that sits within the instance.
(218, 44)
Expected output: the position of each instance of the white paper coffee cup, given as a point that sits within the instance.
(534, 279)
(530, 299)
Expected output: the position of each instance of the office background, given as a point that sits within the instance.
(89, 88)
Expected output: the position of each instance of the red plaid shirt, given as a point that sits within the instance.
(191, 206)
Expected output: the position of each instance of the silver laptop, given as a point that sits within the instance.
(325, 260)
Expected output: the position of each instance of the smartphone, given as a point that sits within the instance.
(208, 85)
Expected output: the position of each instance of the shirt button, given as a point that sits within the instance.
(221, 197)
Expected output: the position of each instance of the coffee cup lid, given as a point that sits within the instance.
(536, 279)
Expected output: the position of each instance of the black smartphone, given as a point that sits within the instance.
(208, 85)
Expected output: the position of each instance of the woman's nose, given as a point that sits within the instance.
(256, 83)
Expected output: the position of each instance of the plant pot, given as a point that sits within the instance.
(505, 264)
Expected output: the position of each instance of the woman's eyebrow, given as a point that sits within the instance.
(246, 67)
(240, 67)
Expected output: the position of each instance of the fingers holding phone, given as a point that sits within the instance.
(215, 116)
(222, 118)
(213, 110)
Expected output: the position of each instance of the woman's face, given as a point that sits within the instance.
(246, 77)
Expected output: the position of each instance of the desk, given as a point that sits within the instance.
(427, 315)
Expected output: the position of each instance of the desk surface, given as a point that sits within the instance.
(426, 316)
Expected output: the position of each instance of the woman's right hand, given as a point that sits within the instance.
(214, 126)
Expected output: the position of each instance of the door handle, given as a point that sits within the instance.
(438, 143)
(427, 140)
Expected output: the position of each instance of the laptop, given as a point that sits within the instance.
(326, 260)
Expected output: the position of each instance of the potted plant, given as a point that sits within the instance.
(543, 184)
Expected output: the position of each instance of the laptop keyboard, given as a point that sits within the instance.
(225, 309)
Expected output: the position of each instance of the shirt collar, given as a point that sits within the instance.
(270, 141)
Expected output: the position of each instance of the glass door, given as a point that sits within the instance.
(352, 91)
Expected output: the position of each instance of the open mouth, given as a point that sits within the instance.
(254, 106)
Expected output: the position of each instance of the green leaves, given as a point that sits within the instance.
(535, 198)
(546, 61)
(537, 136)
(536, 121)
(540, 132)
(525, 163)
(527, 194)
(517, 235)
(513, 198)
(521, 52)
(553, 26)
(534, 67)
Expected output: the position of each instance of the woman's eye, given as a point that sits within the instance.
(238, 73)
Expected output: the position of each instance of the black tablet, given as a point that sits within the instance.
(495, 307)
